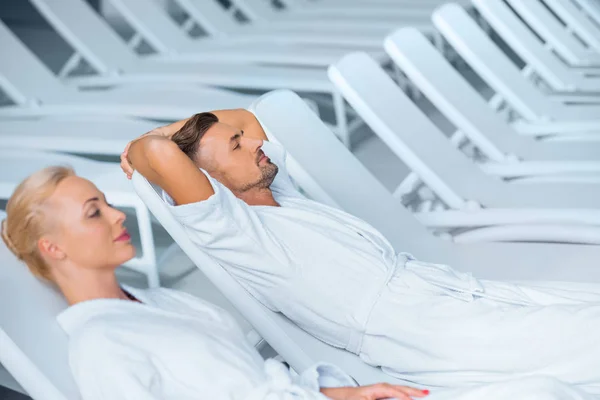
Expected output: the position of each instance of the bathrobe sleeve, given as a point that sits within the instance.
(104, 370)
(280, 384)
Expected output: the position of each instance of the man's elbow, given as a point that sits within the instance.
(151, 150)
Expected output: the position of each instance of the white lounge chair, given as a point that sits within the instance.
(460, 102)
(36, 91)
(353, 8)
(16, 164)
(117, 64)
(153, 24)
(538, 58)
(576, 22)
(461, 185)
(296, 347)
(212, 19)
(591, 8)
(262, 12)
(541, 113)
(72, 134)
(390, 17)
(33, 347)
(302, 9)
(555, 34)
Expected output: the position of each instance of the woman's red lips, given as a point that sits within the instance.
(123, 237)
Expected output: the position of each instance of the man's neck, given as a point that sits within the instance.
(258, 197)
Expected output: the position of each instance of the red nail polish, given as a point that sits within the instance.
(426, 391)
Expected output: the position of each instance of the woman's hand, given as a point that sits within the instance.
(374, 392)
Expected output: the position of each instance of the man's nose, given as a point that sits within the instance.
(254, 144)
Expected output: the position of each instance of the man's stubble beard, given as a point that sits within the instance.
(268, 174)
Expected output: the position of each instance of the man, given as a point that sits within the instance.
(340, 280)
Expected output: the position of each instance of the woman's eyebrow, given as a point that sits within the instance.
(90, 199)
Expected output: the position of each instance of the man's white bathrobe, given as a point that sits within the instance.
(339, 279)
(176, 347)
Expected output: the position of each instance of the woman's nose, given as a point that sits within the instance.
(119, 216)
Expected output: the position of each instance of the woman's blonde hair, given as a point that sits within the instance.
(26, 221)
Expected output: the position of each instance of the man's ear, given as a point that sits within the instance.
(49, 249)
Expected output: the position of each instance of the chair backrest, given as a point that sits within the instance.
(591, 9)
(33, 347)
(85, 135)
(151, 21)
(348, 183)
(577, 21)
(409, 133)
(23, 77)
(91, 37)
(527, 45)
(429, 70)
(486, 58)
(257, 10)
(212, 17)
(551, 30)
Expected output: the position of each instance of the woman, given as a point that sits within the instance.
(132, 344)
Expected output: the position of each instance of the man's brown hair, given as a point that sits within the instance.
(188, 137)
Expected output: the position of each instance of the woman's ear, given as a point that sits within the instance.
(49, 249)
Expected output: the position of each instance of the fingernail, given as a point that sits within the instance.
(426, 391)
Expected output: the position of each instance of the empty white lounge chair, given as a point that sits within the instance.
(36, 91)
(542, 113)
(117, 64)
(152, 23)
(555, 34)
(538, 58)
(73, 134)
(262, 11)
(591, 8)
(213, 20)
(450, 92)
(576, 22)
(458, 182)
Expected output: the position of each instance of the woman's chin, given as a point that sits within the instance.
(127, 253)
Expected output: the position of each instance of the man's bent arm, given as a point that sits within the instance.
(244, 120)
(160, 161)
(237, 118)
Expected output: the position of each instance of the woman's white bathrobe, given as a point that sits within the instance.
(176, 347)
(339, 279)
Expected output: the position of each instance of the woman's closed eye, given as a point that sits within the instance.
(95, 213)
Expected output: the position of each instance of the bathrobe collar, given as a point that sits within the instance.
(78, 314)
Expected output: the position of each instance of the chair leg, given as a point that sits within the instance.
(341, 118)
(147, 241)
